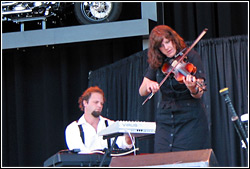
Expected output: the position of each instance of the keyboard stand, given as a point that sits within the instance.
(109, 150)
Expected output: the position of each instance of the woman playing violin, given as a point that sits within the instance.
(181, 122)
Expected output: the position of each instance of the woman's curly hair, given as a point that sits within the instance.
(155, 57)
(86, 95)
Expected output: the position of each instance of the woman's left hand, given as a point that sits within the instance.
(190, 82)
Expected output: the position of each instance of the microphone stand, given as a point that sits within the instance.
(237, 122)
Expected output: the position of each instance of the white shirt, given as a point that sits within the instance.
(91, 138)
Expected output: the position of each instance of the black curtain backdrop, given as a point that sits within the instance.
(221, 18)
(41, 85)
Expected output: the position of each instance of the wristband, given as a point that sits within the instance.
(197, 91)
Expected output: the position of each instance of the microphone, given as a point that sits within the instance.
(237, 122)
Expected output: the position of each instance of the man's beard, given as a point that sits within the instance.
(96, 113)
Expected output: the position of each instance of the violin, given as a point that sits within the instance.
(181, 70)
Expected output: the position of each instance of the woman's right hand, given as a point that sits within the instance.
(148, 86)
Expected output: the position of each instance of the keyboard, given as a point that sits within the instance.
(73, 160)
(135, 128)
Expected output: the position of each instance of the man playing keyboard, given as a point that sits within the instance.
(83, 133)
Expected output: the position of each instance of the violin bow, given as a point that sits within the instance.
(183, 56)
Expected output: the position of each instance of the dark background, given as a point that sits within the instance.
(41, 85)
